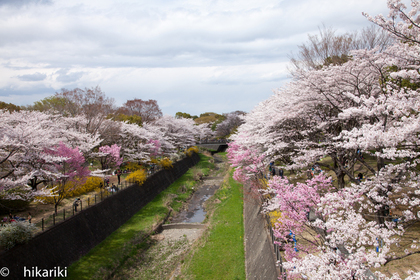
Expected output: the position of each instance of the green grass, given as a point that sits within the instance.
(222, 254)
(223, 155)
(156, 261)
(125, 242)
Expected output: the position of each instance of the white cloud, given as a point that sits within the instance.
(179, 52)
(66, 77)
(32, 77)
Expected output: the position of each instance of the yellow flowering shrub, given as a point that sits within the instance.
(166, 163)
(263, 182)
(71, 189)
(91, 184)
(191, 151)
(274, 216)
(133, 166)
(138, 176)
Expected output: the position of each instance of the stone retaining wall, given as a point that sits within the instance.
(260, 261)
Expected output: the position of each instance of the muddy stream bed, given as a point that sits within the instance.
(195, 212)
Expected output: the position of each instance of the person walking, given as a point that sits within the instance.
(119, 176)
(75, 204)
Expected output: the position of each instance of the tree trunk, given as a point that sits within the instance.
(380, 163)
(337, 170)
(381, 214)
(340, 179)
(32, 183)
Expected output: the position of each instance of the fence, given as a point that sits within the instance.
(65, 212)
(277, 249)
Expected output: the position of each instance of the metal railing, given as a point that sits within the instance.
(277, 249)
(68, 211)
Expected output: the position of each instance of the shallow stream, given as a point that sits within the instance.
(195, 212)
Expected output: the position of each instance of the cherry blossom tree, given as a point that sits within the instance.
(156, 148)
(109, 156)
(134, 142)
(179, 132)
(164, 136)
(368, 105)
(25, 135)
(250, 164)
(72, 171)
(23, 161)
(159, 144)
(204, 132)
(76, 134)
(37, 148)
(230, 124)
(403, 25)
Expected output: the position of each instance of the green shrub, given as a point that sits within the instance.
(16, 233)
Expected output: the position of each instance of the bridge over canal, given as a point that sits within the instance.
(215, 147)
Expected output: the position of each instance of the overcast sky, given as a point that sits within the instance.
(192, 56)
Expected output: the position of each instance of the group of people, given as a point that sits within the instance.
(272, 171)
(113, 188)
(10, 218)
(315, 169)
(118, 172)
(151, 169)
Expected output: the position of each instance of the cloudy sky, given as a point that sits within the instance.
(192, 56)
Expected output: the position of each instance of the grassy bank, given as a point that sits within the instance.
(220, 254)
(106, 257)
